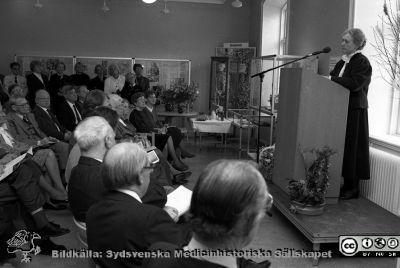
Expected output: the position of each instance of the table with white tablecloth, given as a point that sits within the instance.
(212, 126)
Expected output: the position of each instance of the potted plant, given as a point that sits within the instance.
(267, 162)
(308, 196)
(168, 98)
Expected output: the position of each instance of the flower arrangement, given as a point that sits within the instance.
(312, 190)
(180, 93)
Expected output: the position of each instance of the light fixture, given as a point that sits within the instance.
(237, 3)
(149, 1)
(38, 5)
(105, 8)
(165, 10)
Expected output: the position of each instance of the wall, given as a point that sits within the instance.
(315, 24)
(256, 21)
(130, 29)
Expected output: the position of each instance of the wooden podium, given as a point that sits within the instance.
(312, 114)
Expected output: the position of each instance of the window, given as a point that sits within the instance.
(384, 101)
(283, 30)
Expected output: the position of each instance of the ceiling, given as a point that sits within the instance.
(200, 1)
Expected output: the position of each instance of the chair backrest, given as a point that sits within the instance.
(81, 233)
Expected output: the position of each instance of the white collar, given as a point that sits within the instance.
(122, 122)
(131, 193)
(347, 58)
(149, 108)
(42, 107)
(70, 103)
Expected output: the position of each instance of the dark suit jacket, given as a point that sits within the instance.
(55, 83)
(143, 83)
(18, 130)
(120, 222)
(48, 124)
(66, 115)
(96, 83)
(34, 84)
(80, 79)
(85, 186)
(124, 132)
(356, 78)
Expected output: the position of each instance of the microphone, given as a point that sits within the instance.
(324, 50)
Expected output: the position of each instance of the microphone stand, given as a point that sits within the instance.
(261, 76)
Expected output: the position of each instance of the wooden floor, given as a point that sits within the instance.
(275, 232)
(347, 217)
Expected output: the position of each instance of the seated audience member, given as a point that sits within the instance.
(79, 78)
(142, 82)
(81, 92)
(35, 81)
(47, 121)
(174, 132)
(228, 202)
(95, 98)
(20, 197)
(143, 121)
(44, 158)
(56, 82)
(17, 90)
(3, 95)
(24, 128)
(130, 87)
(125, 131)
(94, 137)
(68, 113)
(126, 174)
(115, 82)
(98, 81)
(14, 78)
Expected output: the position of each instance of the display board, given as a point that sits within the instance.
(164, 72)
(124, 64)
(48, 63)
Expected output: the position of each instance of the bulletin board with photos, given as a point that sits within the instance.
(125, 65)
(165, 72)
(48, 62)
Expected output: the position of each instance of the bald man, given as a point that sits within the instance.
(46, 119)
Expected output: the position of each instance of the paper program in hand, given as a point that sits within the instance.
(180, 199)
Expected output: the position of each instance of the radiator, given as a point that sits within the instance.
(384, 186)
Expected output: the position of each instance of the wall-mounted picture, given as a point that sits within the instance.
(48, 62)
(124, 64)
(165, 72)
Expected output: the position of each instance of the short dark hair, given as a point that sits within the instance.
(93, 99)
(136, 96)
(148, 93)
(136, 65)
(107, 113)
(60, 63)
(33, 64)
(12, 64)
(227, 201)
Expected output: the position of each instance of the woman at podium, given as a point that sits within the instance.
(354, 72)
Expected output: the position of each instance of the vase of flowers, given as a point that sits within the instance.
(180, 95)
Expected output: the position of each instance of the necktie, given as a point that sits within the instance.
(25, 119)
(53, 118)
(16, 79)
(77, 116)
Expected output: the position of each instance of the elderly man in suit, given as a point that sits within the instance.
(24, 128)
(35, 81)
(46, 120)
(126, 174)
(95, 136)
(68, 112)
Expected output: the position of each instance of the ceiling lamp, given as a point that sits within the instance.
(38, 5)
(237, 3)
(165, 10)
(105, 8)
(149, 1)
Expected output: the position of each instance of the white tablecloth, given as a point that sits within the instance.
(212, 126)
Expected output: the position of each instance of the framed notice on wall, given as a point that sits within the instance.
(48, 62)
(164, 72)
